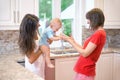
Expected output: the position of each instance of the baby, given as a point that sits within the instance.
(49, 34)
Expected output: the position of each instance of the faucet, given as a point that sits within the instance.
(62, 47)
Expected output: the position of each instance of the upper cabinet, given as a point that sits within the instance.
(27, 6)
(111, 11)
(12, 11)
(7, 13)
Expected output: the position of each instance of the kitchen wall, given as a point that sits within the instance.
(9, 39)
(113, 37)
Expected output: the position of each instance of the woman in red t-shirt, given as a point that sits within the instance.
(91, 49)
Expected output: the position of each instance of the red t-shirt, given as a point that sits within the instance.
(86, 65)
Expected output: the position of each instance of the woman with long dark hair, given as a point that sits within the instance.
(34, 60)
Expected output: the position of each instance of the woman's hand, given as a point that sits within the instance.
(34, 55)
(67, 38)
(49, 41)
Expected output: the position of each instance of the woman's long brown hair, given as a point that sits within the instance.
(28, 28)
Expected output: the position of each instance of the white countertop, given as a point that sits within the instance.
(11, 70)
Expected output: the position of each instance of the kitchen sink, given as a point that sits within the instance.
(64, 52)
(21, 62)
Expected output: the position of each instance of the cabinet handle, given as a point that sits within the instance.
(18, 15)
(14, 17)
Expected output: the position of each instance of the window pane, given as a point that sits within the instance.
(67, 26)
(45, 14)
(45, 9)
(65, 4)
(67, 16)
(66, 8)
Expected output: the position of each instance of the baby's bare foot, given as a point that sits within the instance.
(50, 65)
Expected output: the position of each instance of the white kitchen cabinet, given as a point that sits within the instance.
(12, 11)
(104, 67)
(50, 72)
(117, 66)
(27, 6)
(7, 14)
(107, 67)
(111, 10)
(64, 68)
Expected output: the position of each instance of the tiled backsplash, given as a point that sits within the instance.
(9, 39)
(113, 37)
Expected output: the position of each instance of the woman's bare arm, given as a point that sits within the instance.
(55, 38)
(34, 56)
(84, 52)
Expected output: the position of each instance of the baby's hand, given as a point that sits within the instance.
(64, 37)
(49, 41)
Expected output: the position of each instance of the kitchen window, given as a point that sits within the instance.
(68, 11)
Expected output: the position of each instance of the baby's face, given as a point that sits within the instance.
(88, 21)
(38, 25)
(56, 27)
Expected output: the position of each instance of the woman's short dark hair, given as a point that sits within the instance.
(27, 33)
(96, 18)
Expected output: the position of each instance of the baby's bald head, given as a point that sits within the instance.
(56, 24)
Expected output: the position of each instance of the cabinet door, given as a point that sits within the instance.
(117, 66)
(26, 7)
(7, 13)
(50, 72)
(12, 12)
(111, 10)
(104, 67)
(64, 68)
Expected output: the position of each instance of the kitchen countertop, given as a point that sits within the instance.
(53, 56)
(11, 70)
(110, 50)
(104, 51)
